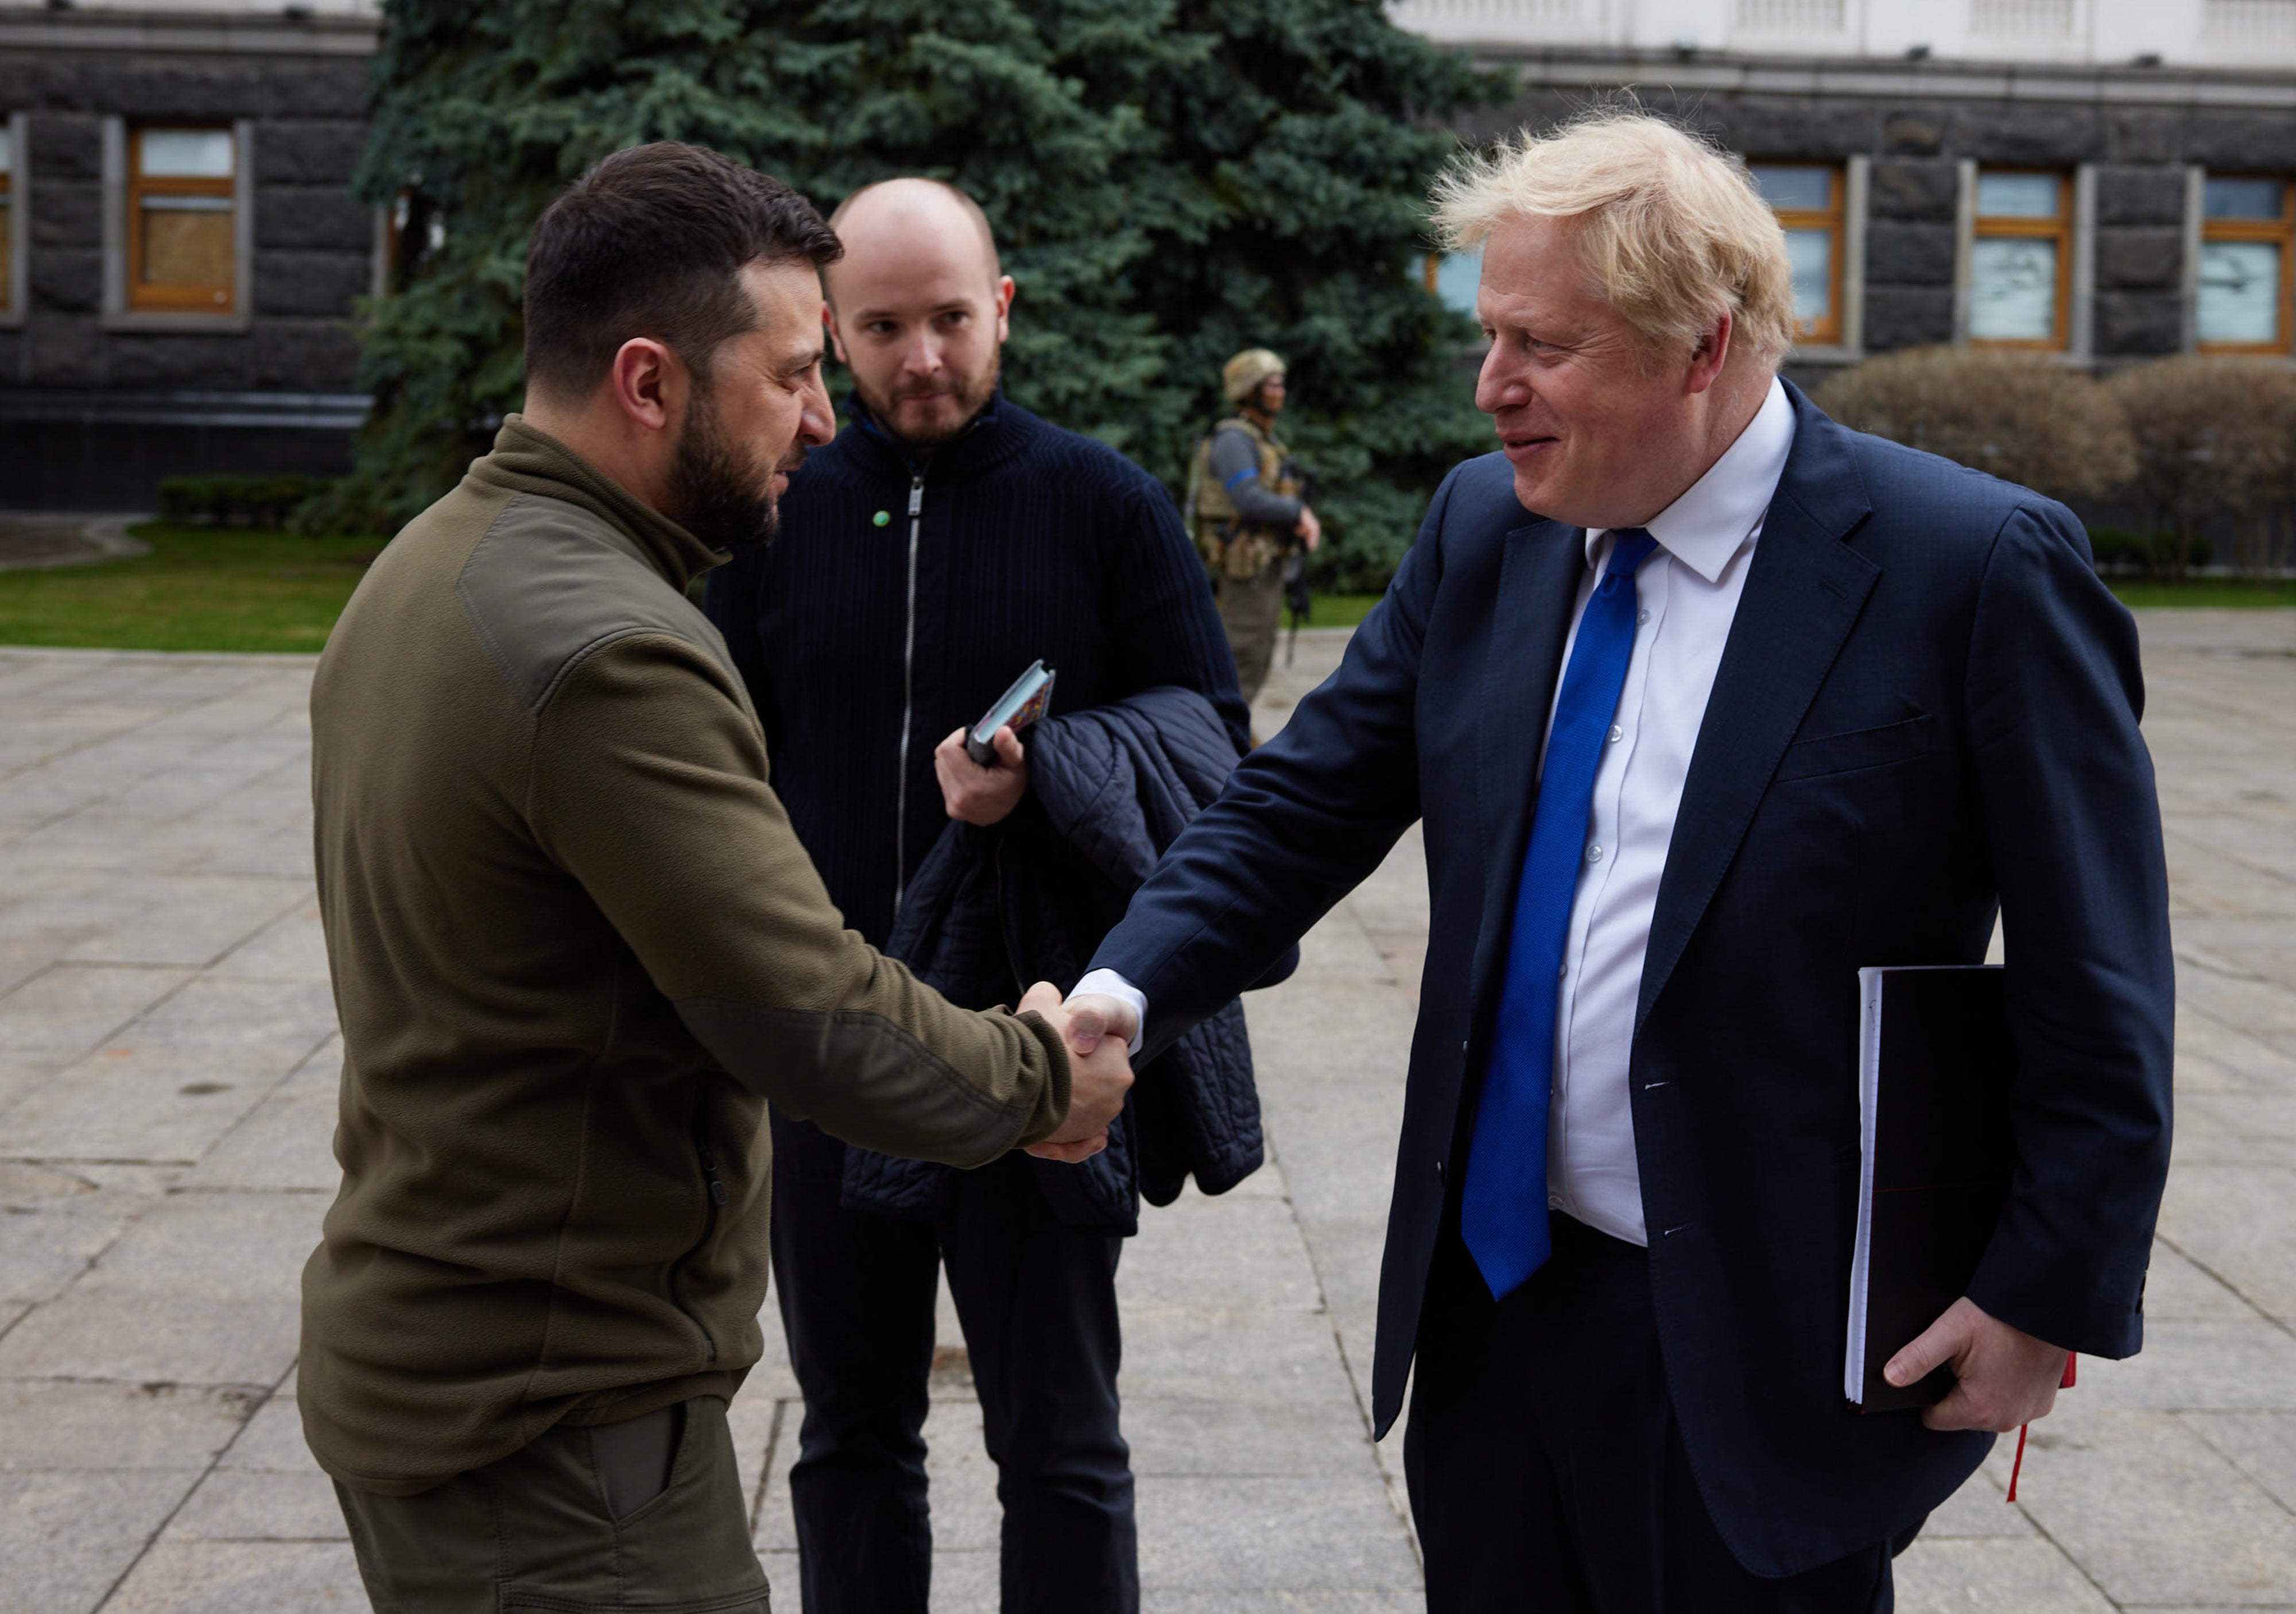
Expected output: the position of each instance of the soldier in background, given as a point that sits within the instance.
(1247, 502)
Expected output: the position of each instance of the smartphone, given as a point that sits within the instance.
(1021, 706)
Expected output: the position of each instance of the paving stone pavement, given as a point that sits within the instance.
(167, 1062)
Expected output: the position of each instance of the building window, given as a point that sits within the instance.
(1808, 199)
(1791, 16)
(183, 233)
(2021, 260)
(7, 218)
(2249, 22)
(2247, 228)
(2022, 18)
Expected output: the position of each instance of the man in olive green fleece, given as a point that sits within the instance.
(576, 946)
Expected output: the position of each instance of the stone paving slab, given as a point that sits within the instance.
(168, 1068)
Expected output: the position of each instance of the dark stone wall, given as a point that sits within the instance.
(314, 240)
(1914, 146)
(84, 465)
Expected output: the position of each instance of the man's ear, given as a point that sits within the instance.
(836, 336)
(1004, 308)
(647, 382)
(1712, 352)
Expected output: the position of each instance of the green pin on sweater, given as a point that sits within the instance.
(883, 518)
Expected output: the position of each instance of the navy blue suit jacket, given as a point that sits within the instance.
(1927, 710)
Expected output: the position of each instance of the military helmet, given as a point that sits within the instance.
(1240, 377)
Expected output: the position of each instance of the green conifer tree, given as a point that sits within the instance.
(1170, 181)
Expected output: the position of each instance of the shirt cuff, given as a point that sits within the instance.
(1108, 983)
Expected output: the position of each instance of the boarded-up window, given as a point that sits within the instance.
(183, 226)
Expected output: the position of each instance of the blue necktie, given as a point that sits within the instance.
(1503, 1213)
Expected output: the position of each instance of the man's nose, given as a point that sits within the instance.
(817, 422)
(923, 355)
(1500, 384)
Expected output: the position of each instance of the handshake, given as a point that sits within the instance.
(1099, 1033)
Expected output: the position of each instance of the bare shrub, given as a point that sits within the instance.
(2024, 417)
(2214, 440)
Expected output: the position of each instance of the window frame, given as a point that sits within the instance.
(143, 299)
(1835, 221)
(2061, 229)
(15, 276)
(2282, 232)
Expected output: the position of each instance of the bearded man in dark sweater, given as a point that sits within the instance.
(945, 540)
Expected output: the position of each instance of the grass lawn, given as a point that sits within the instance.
(1338, 610)
(200, 589)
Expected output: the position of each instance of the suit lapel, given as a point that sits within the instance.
(1802, 597)
(1539, 571)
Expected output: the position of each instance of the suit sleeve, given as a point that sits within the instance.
(1157, 602)
(1303, 819)
(2054, 693)
(648, 786)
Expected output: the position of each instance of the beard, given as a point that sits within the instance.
(971, 393)
(724, 497)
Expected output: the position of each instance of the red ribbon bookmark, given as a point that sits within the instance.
(2018, 1462)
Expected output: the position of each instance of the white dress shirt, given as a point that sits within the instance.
(1687, 594)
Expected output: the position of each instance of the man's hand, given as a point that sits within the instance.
(980, 795)
(1099, 1073)
(2006, 1377)
(1093, 1017)
(1309, 529)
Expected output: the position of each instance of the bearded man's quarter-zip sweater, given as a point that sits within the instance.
(576, 947)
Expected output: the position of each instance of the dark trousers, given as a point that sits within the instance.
(1546, 1467)
(647, 1513)
(1037, 1304)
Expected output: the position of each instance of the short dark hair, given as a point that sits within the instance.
(651, 243)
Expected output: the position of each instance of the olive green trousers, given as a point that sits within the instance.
(1251, 609)
(646, 1515)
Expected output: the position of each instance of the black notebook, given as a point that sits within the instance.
(1933, 1068)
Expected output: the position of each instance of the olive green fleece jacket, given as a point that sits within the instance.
(576, 947)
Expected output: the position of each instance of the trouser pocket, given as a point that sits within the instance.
(534, 1531)
(635, 1458)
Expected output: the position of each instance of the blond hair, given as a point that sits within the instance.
(1671, 226)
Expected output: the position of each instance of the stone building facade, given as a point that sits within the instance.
(183, 249)
(2167, 215)
(2110, 180)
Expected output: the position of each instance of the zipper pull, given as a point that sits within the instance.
(719, 1193)
(916, 495)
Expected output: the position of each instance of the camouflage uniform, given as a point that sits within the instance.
(1244, 497)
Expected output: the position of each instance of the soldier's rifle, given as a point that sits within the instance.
(1296, 597)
